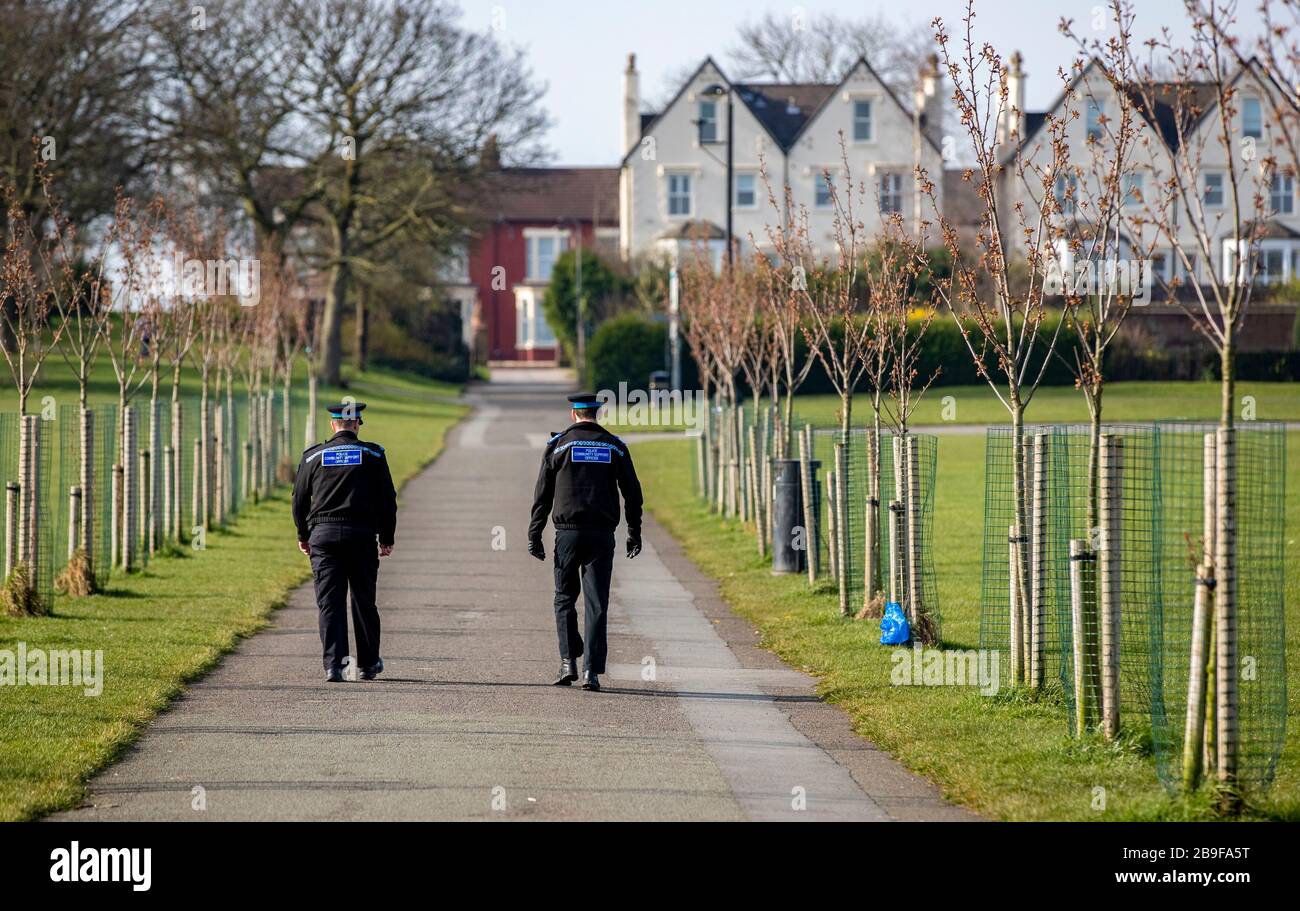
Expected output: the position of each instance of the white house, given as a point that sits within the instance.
(1202, 160)
(673, 184)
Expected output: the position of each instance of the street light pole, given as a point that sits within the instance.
(718, 91)
(674, 325)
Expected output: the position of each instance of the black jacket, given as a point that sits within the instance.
(584, 469)
(345, 481)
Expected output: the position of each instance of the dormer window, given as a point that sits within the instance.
(708, 122)
(862, 126)
(1252, 118)
(1096, 111)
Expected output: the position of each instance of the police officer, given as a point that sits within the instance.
(583, 471)
(345, 507)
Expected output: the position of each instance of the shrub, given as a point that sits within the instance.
(626, 349)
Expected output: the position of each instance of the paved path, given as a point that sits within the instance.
(463, 725)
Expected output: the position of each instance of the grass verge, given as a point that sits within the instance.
(166, 625)
(1008, 756)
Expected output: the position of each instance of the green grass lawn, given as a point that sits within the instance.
(1008, 756)
(1064, 404)
(164, 626)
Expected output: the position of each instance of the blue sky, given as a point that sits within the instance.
(578, 48)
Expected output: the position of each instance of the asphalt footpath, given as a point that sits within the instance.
(695, 722)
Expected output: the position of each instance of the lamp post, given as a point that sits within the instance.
(718, 91)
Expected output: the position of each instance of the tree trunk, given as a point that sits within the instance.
(86, 478)
(361, 349)
(331, 322)
(1020, 567)
(1225, 589)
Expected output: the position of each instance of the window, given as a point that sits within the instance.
(1214, 189)
(1281, 194)
(1252, 118)
(821, 191)
(531, 328)
(1096, 111)
(1064, 191)
(746, 191)
(891, 193)
(708, 121)
(1131, 185)
(542, 252)
(862, 121)
(1160, 267)
(1270, 265)
(679, 195)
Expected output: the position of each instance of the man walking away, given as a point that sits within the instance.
(583, 471)
(345, 507)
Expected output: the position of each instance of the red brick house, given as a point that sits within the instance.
(528, 217)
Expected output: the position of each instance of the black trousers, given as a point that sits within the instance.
(345, 559)
(584, 563)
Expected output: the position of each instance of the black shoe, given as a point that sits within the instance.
(334, 675)
(568, 673)
(590, 682)
(373, 671)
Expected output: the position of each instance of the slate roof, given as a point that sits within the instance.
(547, 194)
(784, 108)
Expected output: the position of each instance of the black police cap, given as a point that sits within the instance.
(581, 401)
(346, 411)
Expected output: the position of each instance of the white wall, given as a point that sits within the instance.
(672, 145)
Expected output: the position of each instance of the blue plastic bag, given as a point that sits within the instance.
(893, 625)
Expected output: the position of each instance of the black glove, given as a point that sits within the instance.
(536, 549)
(633, 545)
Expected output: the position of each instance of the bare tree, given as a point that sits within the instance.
(832, 311)
(77, 79)
(780, 305)
(396, 91)
(1202, 108)
(799, 47)
(998, 321)
(29, 266)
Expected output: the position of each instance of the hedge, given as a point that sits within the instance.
(629, 348)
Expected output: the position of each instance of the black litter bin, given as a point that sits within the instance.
(787, 515)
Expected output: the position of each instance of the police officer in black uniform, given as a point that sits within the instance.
(345, 507)
(583, 471)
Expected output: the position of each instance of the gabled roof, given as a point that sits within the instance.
(926, 127)
(784, 109)
(1160, 102)
(1195, 99)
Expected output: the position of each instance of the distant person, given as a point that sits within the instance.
(345, 507)
(583, 471)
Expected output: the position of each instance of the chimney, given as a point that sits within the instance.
(490, 156)
(1012, 127)
(930, 100)
(631, 105)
